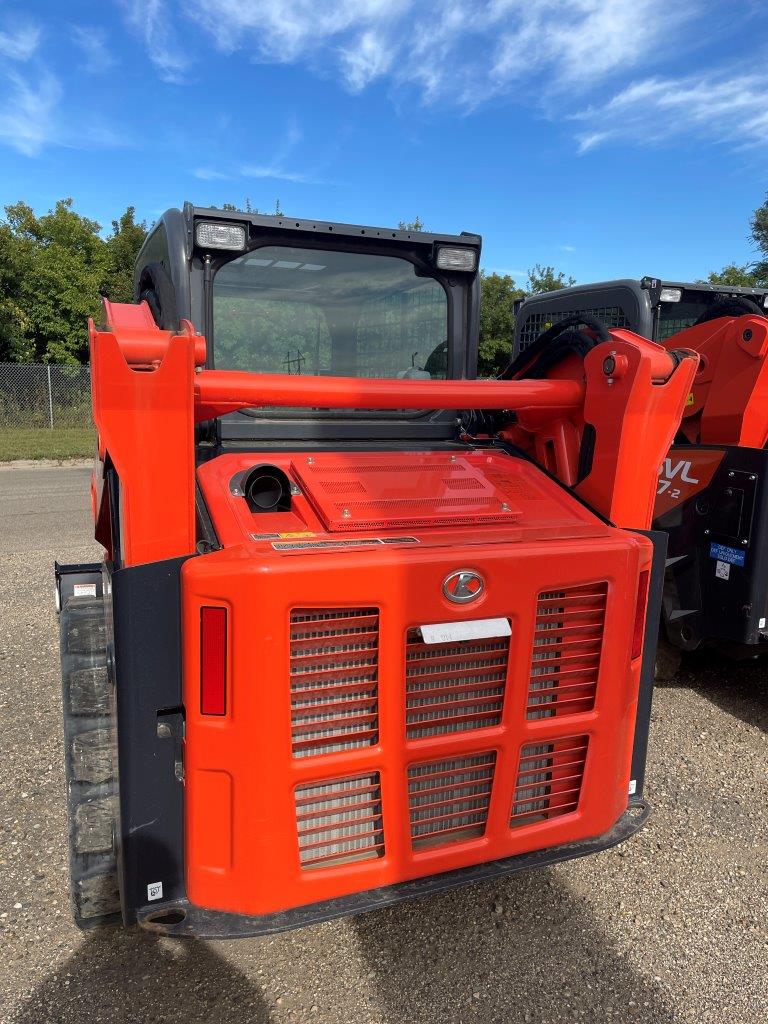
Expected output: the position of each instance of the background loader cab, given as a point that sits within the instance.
(711, 498)
(650, 307)
(362, 630)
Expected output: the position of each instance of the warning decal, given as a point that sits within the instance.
(733, 556)
(722, 570)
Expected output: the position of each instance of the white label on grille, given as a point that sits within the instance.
(722, 570)
(84, 590)
(472, 629)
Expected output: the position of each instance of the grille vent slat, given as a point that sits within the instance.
(334, 656)
(454, 687)
(339, 821)
(549, 780)
(567, 644)
(449, 799)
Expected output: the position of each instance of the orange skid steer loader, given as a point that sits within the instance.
(344, 648)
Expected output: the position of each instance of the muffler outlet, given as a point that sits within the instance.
(267, 489)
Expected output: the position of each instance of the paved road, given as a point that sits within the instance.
(670, 927)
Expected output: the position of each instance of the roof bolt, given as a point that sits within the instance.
(311, 462)
(346, 513)
(163, 731)
(504, 507)
(706, 533)
(745, 542)
(731, 473)
(453, 458)
(752, 476)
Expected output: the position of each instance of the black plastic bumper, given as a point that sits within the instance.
(184, 919)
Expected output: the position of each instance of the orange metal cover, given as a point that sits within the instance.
(425, 489)
(352, 754)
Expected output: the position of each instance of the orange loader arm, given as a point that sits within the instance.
(622, 407)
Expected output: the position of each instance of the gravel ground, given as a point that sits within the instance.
(669, 927)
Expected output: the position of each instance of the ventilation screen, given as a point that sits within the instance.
(536, 323)
(334, 679)
(548, 780)
(339, 821)
(454, 687)
(449, 799)
(567, 643)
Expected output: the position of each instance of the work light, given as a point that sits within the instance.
(671, 294)
(210, 235)
(454, 257)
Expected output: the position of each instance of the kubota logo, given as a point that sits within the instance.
(463, 586)
(672, 473)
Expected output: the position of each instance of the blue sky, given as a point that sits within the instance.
(607, 137)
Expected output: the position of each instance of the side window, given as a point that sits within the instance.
(153, 282)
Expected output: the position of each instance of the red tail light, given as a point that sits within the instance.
(213, 661)
(640, 610)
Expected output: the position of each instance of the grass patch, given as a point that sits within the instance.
(40, 443)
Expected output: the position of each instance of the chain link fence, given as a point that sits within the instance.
(41, 395)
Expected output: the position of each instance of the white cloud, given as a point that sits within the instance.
(460, 51)
(28, 119)
(20, 42)
(280, 155)
(153, 21)
(209, 174)
(728, 109)
(554, 56)
(97, 57)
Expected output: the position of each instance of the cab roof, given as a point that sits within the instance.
(323, 227)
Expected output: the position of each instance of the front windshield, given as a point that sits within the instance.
(281, 309)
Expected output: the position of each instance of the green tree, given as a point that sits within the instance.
(749, 275)
(497, 322)
(736, 276)
(16, 336)
(61, 262)
(122, 249)
(758, 225)
(411, 225)
(547, 279)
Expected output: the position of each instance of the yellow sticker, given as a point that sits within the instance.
(292, 536)
(689, 399)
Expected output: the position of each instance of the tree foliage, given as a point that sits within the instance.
(547, 279)
(734, 275)
(750, 275)
(53, 269)
(498, 293)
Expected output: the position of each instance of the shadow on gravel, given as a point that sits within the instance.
(740, 688)
(132, 976)
(455, 959)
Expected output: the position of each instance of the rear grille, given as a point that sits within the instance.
(567, 643)
(339, 821)
(454, 687)
(449, 799)
(549, 780)
(334, 657)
